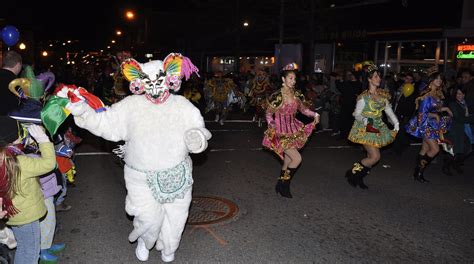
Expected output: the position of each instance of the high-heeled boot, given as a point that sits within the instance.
(355, 176)
(283, 185)
(351, 174)
(417, 165)
(418, 158)
(279, 185)
(420, 169)
(360, 177)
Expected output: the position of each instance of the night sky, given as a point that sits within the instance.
(94, 23)
(87, 23)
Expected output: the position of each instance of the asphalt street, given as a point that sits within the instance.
(396, 221)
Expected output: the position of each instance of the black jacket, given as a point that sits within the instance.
(8, 101)
(456, 132)
(405, 107)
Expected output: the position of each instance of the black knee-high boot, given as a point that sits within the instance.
(352, 172)
(279, 185)
(360, 178)
(420, 168)
(418, 158)
(283, 184)
(355, 176)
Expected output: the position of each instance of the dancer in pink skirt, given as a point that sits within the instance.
(286, 134)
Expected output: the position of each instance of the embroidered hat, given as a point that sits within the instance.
(370, 66)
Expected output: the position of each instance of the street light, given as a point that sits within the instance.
(118, 33)
(246, 24)
(22, 46)
(143, 16)
(130, 15)
(45, 53)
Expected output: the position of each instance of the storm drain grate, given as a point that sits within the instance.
(210, 210)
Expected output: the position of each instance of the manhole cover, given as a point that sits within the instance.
(208, 210)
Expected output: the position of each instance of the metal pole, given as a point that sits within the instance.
(399, 55)
(376, 53)
(445, 61)
(385, 59)
(333, 56)
(438, 52)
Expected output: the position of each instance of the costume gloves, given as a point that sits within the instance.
(37, 132)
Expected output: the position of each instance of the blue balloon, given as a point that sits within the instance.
(10, 35)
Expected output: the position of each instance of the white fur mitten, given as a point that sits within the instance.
(195, 140)
(77, 109)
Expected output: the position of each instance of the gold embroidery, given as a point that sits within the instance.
(278, 143)
(357, 168)
(275, 100)
(359, 137)
(375, 110)
(382, 93)
(286, 140)
(423, 163)
(286, 176)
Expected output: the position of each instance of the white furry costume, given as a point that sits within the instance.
(159, 129)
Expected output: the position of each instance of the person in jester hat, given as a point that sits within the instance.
(368, 129)
(160, 129)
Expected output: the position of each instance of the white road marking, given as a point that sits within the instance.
(230, 130)
(231, 121)
(233, 149)
(93, 153)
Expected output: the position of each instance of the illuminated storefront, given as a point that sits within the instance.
(226, 64)
(465, 56)
(413, 55)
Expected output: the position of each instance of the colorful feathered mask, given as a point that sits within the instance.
(156, 78)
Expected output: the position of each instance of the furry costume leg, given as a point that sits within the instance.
(175, 217)
(154, 222)
(141, 204)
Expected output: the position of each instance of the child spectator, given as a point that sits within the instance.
(22, 196)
